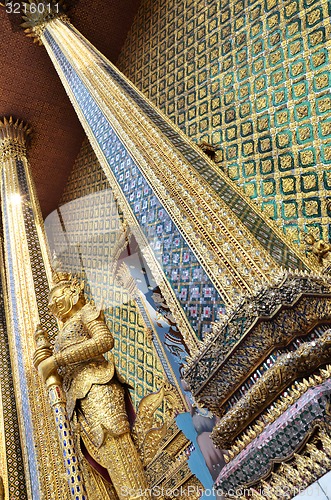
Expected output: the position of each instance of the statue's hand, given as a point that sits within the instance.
(39, 356)
(41, 336)
(47, 367)
(43, 350)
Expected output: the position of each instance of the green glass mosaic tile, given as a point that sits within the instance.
(252, 78)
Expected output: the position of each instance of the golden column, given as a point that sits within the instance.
(153, 167)
(27, 271)
(12, 477)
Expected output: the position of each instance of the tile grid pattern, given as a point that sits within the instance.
(251, 77)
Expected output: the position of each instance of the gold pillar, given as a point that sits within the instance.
(12, 479)
(26, 269)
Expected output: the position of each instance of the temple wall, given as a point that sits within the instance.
(252, 78)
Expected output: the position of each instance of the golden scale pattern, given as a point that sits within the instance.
(136, 358)
(250, 77)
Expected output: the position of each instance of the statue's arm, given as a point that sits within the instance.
(101, 341)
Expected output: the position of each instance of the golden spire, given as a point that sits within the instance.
(59, 276)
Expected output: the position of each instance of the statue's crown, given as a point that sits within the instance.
(60, 277)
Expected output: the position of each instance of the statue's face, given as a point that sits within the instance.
(60, 302)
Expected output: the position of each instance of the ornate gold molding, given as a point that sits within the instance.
(23, 311)
(311, 461)
(14, 140)
(15, 370)
(292, 394)
(147, 432)
(169, 470)
(294, 304)
(308, 357)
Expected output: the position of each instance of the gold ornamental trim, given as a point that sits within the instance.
(25, 316)
(288, 367)
(292, 394)
(15, 376)
(296, 303)
(169, 469)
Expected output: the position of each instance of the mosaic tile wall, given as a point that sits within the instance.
(83, 236)
(252, 77)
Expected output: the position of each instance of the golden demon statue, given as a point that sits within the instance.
(95, 392)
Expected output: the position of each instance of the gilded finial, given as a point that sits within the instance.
(14, 136)
(36, 15)
(14, 129)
